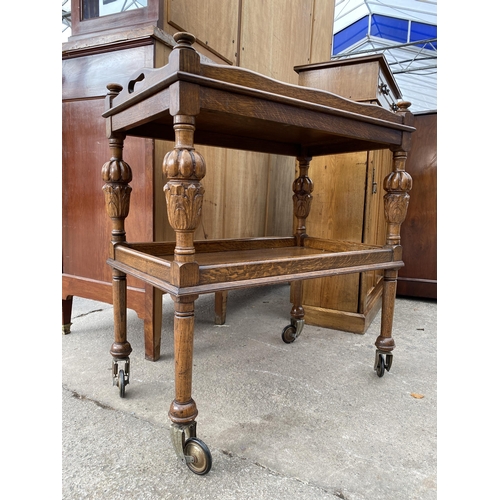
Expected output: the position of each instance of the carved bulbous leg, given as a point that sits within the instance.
(184, 168)
(397, 184)
(302, 198)
(117, 175)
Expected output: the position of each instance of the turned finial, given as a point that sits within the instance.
(114, 88)
(184, 40)
(403, 105)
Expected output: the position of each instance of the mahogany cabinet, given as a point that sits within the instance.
(112, 47)
(349, 197)
(86, 69)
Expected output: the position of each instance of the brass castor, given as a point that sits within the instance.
(197, 456)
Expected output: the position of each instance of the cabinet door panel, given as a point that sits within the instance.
(214, 22)
(86, 228)
(270, 43)
(337, 212)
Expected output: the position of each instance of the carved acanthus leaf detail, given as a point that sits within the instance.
(302, 205)
(117, 199)
(395, 207)
(184, 204)
(302, 187)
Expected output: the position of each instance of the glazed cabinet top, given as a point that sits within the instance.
(240, 109)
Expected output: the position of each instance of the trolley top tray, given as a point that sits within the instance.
(240, 109)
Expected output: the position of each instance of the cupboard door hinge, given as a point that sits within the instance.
(374, 184)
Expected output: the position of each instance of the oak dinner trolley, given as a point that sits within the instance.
(188, 102)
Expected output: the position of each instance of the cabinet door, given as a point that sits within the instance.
(275, 37)
(214, 22)
(86, 227)
(337, 212)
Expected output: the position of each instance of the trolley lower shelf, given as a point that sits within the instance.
(237, 263)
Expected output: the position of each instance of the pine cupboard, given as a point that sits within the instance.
(348, 196)
(270, 37)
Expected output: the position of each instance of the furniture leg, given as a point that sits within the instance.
(121, 348)
(67, 306)
(302, 198)
(117, 175)
(184, 168)
(220, 307)
(397, 184)
(152, 322)
(183, 409)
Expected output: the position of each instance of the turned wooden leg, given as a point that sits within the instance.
(117, 175)
(67, 305)
(302, 198)
(385, 342)
(184, 168)
(397, 184)
(302, 188)
(183, 409)
(152, 322)
(220, 307)
(120, 349)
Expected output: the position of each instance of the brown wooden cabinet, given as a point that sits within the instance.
(419, 237)
(110, 49)
(348, 196)
(86, 70)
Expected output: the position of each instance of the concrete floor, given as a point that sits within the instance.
(296, 421)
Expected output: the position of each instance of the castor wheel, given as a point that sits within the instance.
(289, 334)
(383, 363)
(121, 377)
(121, 383)
(197, 456)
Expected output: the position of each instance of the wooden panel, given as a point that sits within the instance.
(86, 227)
(212, 223)
(279, 217)
(246, 195)
(214, 182)
(322, 31)
(419, 231)
(339, 196)
(357, 82)
(213, 22)
(360, 79)
(350, 302)
(275, 37)
(337, 212)
(151, 15)
(87, 76)
(237, 183)
(162, 52)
